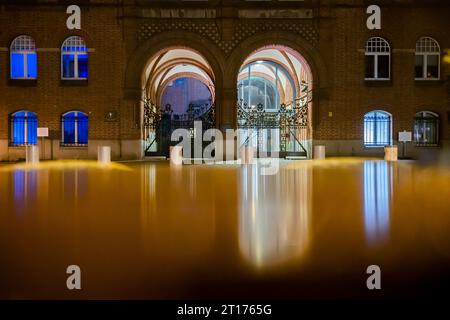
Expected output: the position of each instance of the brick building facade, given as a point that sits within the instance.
(122, 36)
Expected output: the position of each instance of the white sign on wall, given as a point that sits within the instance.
(405, 136)
(42, 132)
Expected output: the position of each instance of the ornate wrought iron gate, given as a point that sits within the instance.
(289, 124)
(159, 124)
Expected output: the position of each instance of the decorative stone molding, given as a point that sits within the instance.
(305, 28)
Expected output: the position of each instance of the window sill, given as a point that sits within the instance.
(23, 82)
(378, 83)
(74, 82)
(20, 146)
(74, 146)
(376, 147)
(426, 145)
(428, 82)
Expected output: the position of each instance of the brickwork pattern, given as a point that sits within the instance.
(339, 37)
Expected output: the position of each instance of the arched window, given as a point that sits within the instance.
(377, 129)
(426, 128)
(23, 128)
(257, 90)
(74, 128)
(266, 83)
(23, 58)
(428, 59)
(378, 59)
(74, 59)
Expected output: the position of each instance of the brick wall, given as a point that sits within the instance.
(49, 97)
(351, 97)
(112, 42)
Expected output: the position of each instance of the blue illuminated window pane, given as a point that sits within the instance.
(32, 65)
(68, 65)
(75, 123)
(82, 65)
(32, 130)
(82, 129)
(24, 128)
(69, 128)
(17, 65)
(18, 126)
(377, 129)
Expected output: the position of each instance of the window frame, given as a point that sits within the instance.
(75, 144)
(25, 128)
(379, 145)
(250, 76)
(24, 52)
(422, 115)
(425, 55)
(76, 54)
(375, 56)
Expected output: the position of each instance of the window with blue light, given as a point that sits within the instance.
(75, 128)
(377, 129)
(74, 59)
(23, 58)
(24, 128)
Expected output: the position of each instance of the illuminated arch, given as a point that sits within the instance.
(173, 63)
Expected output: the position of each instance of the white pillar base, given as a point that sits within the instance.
(176, 155)
(391, 153)
(32, 154)
(319, 152)
(104, 154)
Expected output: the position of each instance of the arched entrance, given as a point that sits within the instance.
(274, 88)
(178, 92)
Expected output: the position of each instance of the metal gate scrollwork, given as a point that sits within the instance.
(290, 119)
(159, 123)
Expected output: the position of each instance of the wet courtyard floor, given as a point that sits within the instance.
(147, 230)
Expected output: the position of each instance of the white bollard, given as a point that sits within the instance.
(32, 154)
(391, 153)
(247, 155)
(176, 155)
(104, 154)
(319, 152)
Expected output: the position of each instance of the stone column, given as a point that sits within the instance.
(226, 118)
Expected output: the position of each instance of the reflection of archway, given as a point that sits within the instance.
(172, 74)
(274, 89)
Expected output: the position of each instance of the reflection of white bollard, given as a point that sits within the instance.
(247, 155)
(319, 152)
(390, 153)
(32, 154)
(176, 155)
(104, 154)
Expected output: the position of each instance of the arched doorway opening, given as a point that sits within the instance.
(274, 88)
(178, 91)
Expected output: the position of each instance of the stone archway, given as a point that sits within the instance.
(139, 59)
(310, 53)
(205, 65)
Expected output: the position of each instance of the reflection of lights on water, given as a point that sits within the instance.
(64, 164)
(24, 186)
(274, 215)
(377, 186)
